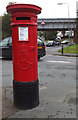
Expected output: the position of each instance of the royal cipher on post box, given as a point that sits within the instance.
(24, 46)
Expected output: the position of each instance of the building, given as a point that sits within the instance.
(77, 9)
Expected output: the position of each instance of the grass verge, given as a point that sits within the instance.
(70, 49)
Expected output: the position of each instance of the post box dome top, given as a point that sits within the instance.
(23, 8)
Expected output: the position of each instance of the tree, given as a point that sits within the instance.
(6, 26)
(76, 37)
(39, 33)
(50, 35)
(12, 3)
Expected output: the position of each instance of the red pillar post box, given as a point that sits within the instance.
(24, 45)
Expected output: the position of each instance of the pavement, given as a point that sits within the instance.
(44, 110)
(55, 52)
(66, 54)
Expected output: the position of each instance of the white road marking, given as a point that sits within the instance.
(58, 61)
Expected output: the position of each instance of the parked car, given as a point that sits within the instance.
(58, 39)
(41, 48)
(65, 42)
(50, 43)
(6, 48)
(57, 43)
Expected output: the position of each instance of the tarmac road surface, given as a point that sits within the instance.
(57, 87)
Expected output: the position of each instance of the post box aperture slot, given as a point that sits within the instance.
(23, 18)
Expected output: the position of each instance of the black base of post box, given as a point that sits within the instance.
(26, 94)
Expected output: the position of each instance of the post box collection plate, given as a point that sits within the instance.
(23, 33)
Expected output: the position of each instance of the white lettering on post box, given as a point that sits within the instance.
(23, 33)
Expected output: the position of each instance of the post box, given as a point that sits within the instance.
(24, 46)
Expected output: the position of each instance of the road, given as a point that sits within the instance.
(57, 86)
(53, 50)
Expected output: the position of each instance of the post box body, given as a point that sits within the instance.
(24, 46)
(25, 54)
